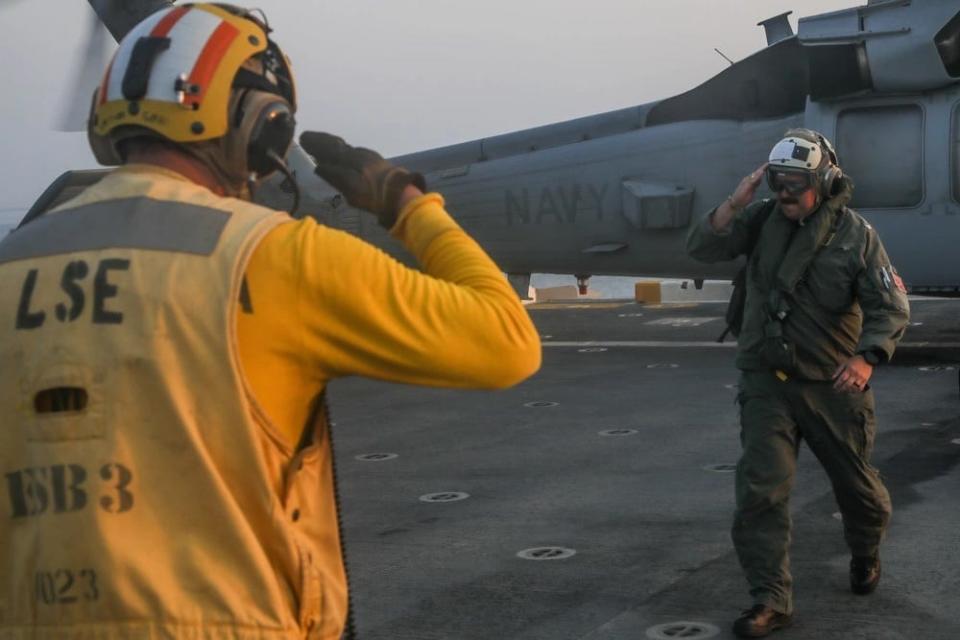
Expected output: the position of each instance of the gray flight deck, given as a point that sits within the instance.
(642, 507)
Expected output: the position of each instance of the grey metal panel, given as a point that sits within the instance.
(453, 155)
(843, 25)
(657, 205)
(777, 28)
(771, 83)
(881, 147)
(538, 212)
(130, 223)
(527, 140)
(909, 62)
(838, 70)
(563, 133)
(898, 36)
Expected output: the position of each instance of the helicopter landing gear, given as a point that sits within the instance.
(582, 283)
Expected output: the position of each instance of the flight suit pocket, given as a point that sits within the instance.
(778, 351)
(829, 281)
(866, 432)
(747, 390)
(740, 401)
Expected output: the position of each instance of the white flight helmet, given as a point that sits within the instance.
(804, 152)
(796, 153)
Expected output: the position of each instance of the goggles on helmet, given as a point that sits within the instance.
(793, 182)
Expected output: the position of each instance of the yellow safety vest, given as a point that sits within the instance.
(144, 493)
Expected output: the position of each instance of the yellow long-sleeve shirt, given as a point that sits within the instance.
(323, 304)
(170, 401)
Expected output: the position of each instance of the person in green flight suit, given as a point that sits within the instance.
(823, 306)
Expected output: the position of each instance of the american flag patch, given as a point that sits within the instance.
(897, 280)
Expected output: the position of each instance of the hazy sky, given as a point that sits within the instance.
(405, 76)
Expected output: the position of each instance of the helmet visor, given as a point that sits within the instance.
(793, 182)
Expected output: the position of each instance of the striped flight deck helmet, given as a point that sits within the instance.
(207, 78)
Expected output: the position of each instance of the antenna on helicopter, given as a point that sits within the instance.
(723, 56)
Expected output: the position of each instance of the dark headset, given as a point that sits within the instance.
(263, 118)
(829, 175)
(262, 123)
(262, 126)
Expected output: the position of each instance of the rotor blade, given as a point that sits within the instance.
(119, 16)
(88, 69)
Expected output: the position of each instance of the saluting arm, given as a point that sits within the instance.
(727, 231)
(457, 324)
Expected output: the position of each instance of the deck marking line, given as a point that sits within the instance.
(682, 321)
(638, 343)
(654, 344)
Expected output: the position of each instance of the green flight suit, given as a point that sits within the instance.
(817, 293)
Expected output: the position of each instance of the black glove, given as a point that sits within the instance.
(364, 178)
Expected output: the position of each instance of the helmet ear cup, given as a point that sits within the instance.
(831, 173)
(262, 130)
(829, 180)
(271, 137)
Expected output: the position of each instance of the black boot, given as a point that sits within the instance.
(759, 621)
(864, 574)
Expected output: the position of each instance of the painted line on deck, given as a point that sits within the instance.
(711, 344)
(639, 343)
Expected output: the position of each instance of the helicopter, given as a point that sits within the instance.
(615, 193)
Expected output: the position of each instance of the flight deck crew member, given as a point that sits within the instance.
(823, 307)
(165, 344)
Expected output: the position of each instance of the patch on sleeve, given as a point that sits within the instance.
(885, 278)
(897, 280)
(890, 278)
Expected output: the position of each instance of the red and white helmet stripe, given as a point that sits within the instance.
(198, 42)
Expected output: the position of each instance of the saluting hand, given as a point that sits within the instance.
(853, 375)
(743, 194)
(740, 198)
(364, 178)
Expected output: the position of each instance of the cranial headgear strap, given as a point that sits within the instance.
(246, 79)
(137, 77)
